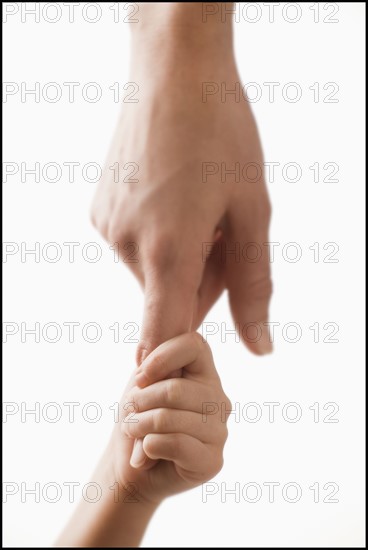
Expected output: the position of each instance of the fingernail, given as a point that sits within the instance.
(138, 457)
(263, 346)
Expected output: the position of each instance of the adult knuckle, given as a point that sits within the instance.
(116, 232)
(99, 222)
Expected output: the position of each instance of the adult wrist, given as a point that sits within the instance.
(174, 33)
(210, 18)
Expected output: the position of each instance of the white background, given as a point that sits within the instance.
(306, 292)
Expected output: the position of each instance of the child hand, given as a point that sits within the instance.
(180, 422)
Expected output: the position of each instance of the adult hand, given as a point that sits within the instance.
(182, 140)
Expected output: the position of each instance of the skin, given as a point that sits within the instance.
(182, 436)
(170, 213)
